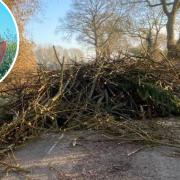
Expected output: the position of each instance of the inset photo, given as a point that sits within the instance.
(9, 41)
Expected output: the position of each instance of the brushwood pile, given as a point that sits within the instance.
(124, 88)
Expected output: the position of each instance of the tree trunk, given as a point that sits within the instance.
(171, 43)
(170, 31)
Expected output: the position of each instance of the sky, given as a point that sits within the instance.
(7, 25)
(41, 28)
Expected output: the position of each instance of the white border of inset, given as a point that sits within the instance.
(17, 49)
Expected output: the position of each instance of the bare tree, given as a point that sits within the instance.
(95, 22)
(46, 56)
(147, 27)
(76, 55)
(171, 10)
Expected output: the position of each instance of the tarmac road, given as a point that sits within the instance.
(92, 155)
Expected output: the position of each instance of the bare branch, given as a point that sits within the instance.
(159, 4)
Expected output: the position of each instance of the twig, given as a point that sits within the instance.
(13, 168)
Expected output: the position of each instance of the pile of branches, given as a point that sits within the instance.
(101, 95)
